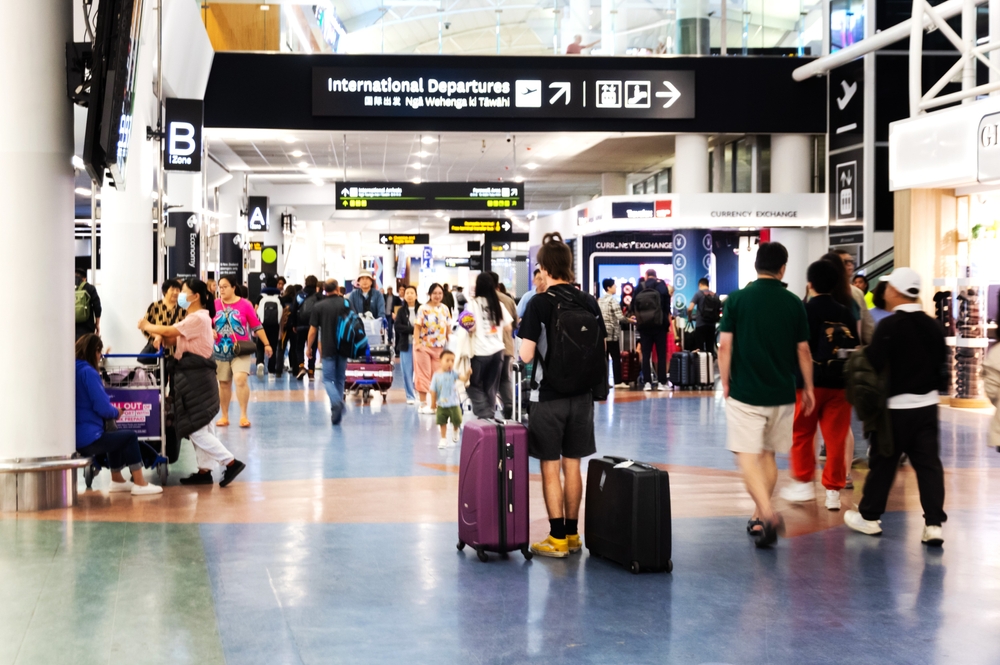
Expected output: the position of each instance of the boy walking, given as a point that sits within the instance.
(764, 334)
(444, 397)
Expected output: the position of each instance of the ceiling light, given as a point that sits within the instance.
(423, 153)
(303, 165)
(439, 214)
(428, 140)
(531, 166)
(318, 182)
(297, 153)
(415, 165)
(265, 8)
(83, 191)
(78, 163)
(519, 178)
(289, 139)
(416, 181)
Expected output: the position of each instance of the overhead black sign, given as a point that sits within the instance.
(476, 262)
(847, 105)
(421, 91)
(456, 263)
(404, 239)
(184, 258)
(257, 217)
(846, 186)
(231, 256)
(184, 118)
(506, 237)
(479, 225)
(429, 196)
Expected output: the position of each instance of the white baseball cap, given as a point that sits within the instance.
(904, 280)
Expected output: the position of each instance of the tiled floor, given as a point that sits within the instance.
(338, 546)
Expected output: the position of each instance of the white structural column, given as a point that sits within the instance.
(612, 27)
(127, 217)
(613, 184)
(36, 187)
(791, 163)
(690, 164)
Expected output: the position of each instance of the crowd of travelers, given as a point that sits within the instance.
(790, 368)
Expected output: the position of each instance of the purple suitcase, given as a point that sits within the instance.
(493, 488)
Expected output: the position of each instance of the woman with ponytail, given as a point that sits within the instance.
(491, 319)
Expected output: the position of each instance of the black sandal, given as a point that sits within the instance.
(751, 526)
(769, 535)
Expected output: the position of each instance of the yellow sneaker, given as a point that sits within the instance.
(574, 542)
(554, 547)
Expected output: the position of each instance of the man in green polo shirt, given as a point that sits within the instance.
(765, 334)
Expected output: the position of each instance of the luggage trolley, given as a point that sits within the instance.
(373, 372)
(136, 383)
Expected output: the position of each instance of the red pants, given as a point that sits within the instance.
(833, 414)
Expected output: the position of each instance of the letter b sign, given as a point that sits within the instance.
(183, 135)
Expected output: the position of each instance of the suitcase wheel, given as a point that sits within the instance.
(461, 545)
(634, 567)
(526, 551)
(481, 553)
(88, 475)
(670, 566)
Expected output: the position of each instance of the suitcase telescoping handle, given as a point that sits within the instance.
(518, 375)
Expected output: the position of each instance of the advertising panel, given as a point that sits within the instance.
(141, 410)
(231, 256)
(184, 258)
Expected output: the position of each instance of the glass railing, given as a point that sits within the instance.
(475, 27)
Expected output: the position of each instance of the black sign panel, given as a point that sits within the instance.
(632, 210)
(182, 135)
(847, 105)
(430, 196)
(506, 237)
(479, 225)
(404, 239)
(474, 246)
(847, 235)
(846, 186)
(184, 258)
(231, 256)
(269, 259)
(476, 262)
(456, 263)
(257, 217)
(421, 91)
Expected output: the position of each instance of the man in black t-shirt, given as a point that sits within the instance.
(911, 345)
(324, 318)
(561, 428)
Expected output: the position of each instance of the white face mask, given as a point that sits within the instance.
(183, 302)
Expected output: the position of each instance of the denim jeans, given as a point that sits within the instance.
(121, 447)
(406, 367)
(334, 371)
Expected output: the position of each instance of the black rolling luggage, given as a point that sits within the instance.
(680, 369)
(628, 514)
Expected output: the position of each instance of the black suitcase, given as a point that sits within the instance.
(680, 369)
(628, 514)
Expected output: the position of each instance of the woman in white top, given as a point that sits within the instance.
(487, 346)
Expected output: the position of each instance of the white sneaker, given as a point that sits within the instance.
(260, 371)
(797, 492)
(140, 490)
(426, 410)
(854, 520)
(121, 487)
(662, 387)
(411, 401)
(457, 434)
(647, 387)
(933, 536)
(621, 385)
(832, 500)
(443, 443)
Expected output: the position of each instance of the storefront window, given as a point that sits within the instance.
(663, 180)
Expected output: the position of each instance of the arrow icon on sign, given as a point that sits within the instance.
(345, 191)
(506, 226)
(849, 91)
(845, 178)
(671, 94)
(384, 240)
(562, 89)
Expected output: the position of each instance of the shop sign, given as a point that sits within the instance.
(633, 209)
(257, 217)
(404, 239)
(429, 196)
(663, 209)
(183, 123)
(989, 148)
(502, 93)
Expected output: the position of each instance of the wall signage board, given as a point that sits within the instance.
(846, 190)
(257, 216)
(847, 105)
(184, 258)
(231, 256)
(421, 91)
(989, 148)
(404, 239)
(846, 235)
(633, 209)
(182, 141)
(429, 196)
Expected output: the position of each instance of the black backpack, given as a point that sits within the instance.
(306, 310)
(710, 308)
(575, 354)
(648, 307)
(828, 360)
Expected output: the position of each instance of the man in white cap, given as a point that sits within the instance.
(911, 345)
(366, 299)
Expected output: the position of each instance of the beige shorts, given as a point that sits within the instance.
(239, 365)
(755, 429)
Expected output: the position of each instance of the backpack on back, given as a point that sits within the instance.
(831, 345)
(352, 340)
(710, 308)
(575, 354)
(82, 304)
(269, 311)
(648, 308)
(306, 309)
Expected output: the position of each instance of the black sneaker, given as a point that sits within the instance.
(301, 373)
(201, 478)
(232, 471)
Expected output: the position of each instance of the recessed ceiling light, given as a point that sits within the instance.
(416, 181)
(428, 140)
(318, 182)
(423, 153)
(289, 139)
(531, 166)
(415, 165)
(303, 165)
(519, 178)
(297, 153)
(83, 191)
(265, 8)
(439, 214)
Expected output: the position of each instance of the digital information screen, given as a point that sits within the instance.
(502, 93)
(429, 196)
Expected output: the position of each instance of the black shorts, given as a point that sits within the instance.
(562, 427)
